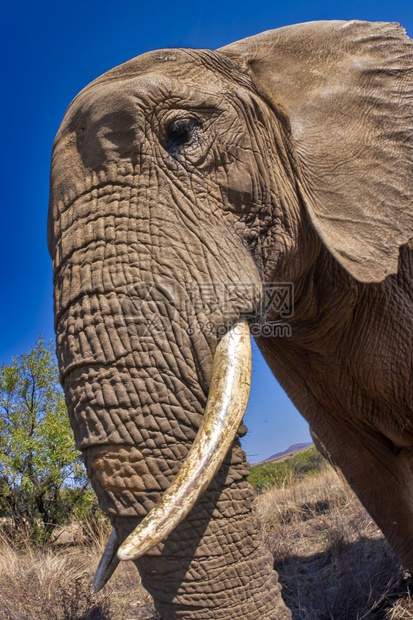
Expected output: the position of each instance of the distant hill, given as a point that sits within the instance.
(296, 447)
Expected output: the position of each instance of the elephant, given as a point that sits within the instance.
(185, 185)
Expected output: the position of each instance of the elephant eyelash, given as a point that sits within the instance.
(182, 132)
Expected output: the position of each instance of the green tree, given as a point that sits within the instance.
(39, 463)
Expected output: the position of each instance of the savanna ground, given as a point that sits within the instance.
(332, 560)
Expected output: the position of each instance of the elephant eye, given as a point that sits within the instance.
(182, 132)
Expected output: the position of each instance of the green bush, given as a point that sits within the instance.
(42, 479)
(281, 473)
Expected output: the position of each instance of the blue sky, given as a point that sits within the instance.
(53, 49)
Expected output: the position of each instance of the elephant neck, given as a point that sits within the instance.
(349, 350)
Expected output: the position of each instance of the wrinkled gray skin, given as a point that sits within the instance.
(202, 175)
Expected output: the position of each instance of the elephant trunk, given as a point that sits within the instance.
(213, 564)
(136, 381)
(222, 570)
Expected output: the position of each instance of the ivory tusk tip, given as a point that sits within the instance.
(129, 552)
(124, 555)
(98, 584)
(107, 564)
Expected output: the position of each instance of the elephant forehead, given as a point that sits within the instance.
(117, 100)
(129, 95)
(162, 70)
(125, 96)
(173, 63)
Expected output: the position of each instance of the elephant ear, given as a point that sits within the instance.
(347, 90)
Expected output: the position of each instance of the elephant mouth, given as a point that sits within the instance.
(225, 408)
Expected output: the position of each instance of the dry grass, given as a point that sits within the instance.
(332, 560)
(55, 584)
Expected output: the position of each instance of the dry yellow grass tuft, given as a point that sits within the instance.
(56, 584)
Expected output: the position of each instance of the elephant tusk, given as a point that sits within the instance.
(107, 564)
(225, 408)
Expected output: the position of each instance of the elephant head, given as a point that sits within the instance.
(184, 185)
